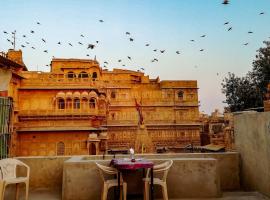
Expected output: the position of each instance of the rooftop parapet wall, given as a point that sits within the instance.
(47, 172)
(178, 84)
(252, 141)
(188, 177)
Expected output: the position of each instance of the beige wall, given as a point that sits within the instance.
(188, 177)
(47, 172)
(252, 140)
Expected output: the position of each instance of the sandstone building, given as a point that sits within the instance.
(80, 108)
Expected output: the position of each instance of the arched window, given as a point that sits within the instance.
(69, 104)
(180, 95)
(92, 103)
(76, 103)
(113, 95)
(71, 75)
(84, 103)
(61, 103)
(60, 148)
(94, 75)
(83, 75)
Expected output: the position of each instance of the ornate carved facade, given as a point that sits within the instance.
(80, 108)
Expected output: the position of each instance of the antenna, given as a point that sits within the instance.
(14, 39)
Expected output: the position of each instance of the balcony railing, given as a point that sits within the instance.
(62, 112)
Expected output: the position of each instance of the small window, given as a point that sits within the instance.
(92, 103)
(113, 95)
(71, 75)
(94, 75)
(180, 95)
(69, 103)
(61, 103)
(83, 75)
(60, 148)
(76, 103)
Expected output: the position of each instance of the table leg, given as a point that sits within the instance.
(152, 184)
(119, 187)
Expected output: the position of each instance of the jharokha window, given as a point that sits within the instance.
(92, 103)
(60, 148)
(180, 95)
(76, 103)
(83, 75)
(71, 75)
(94, 75)
(61, 103)
(113, 95)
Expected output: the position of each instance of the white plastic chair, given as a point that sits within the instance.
(8, 171)
(108, 183)
(163, 170)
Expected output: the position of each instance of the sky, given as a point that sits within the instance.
(168, 25)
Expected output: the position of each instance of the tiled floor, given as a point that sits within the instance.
(45, 195)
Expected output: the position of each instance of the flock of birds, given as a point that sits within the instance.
(94, 45)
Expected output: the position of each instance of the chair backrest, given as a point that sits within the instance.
(8, 167)
(162, 168)
(106, 170)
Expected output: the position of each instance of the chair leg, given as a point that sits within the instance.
(105, 192)
(26, 190)
(164, 192)
(17, 191)
(125, 191)
(146, 191)
(2, 195)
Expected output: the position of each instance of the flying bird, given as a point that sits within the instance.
(91, 46)
(229, 29)
(87, 55)
(101, 20)
(131, 39)
(203, 35)
(44, 40)
(32, 31)
(45, 51)
(33, 47)
(127, 33)
(5, 32)
(246, 44)
(59, 43)
(119, 60)
(22, 46)
(261, 13)
(80, 43)
(225, 2)
(178, 52)
(38, 23)
(24, 36)
(129, 57)
(8, 40)
(147, 45)
(250, 32)
(97, 41)
(162, 51)
(201, 49)
(192, 40)
(27, 42)
(82, 35)
(155, 50)
(70, 44)
(142, 68)
(106, 62)
(226, 23)
(123, 65)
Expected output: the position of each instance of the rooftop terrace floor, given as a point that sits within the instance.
(48, 195)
